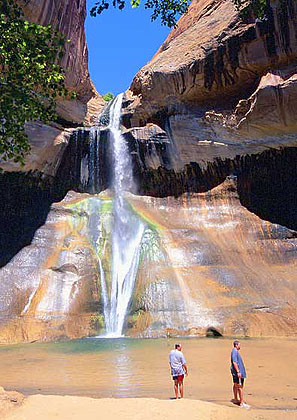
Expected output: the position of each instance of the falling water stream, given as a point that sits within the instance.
(127, 233)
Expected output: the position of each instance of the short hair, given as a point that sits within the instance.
(177, 345)
(235, 343)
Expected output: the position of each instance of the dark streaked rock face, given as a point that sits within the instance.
(221, 88)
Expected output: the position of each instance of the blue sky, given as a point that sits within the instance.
(119, 44)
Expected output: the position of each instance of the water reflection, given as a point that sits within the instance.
(123, 375)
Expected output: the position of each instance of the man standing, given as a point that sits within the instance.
(239, 374)
(179, 368)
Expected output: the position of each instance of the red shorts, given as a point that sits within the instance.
(179, 378)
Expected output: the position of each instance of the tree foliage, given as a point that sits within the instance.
(251, 7)
(167, 10)
(30, 78)
(108, 96)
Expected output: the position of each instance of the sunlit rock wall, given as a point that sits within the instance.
(220, 85)
(207, 265)
(214, 57)
(232, 271)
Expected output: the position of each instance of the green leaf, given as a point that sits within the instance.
(135, 3)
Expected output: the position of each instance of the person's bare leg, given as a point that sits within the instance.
(240, 391)
(181, 389)
(176, 388)
(235, 392)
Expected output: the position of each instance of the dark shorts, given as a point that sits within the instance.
(178, 378)
(236, 379)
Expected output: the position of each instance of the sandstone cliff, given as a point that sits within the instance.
(68, 17)
(48, 142)
(213, 60)
(208, 266)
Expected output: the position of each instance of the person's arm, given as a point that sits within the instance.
(236, 368)
(184, 364)
(170, 362)
(185, 368)
(235, 359)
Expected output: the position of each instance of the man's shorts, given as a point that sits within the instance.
(236, 379)
(179, 378)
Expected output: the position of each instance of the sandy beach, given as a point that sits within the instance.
(41, 407)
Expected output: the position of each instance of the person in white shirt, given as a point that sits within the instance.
(179, 369)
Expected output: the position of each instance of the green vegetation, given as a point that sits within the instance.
(251, 7)
(97, 322)
(108, 96)
(30, 78)
(167, 10)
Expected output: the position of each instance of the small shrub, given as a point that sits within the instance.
(108, 96)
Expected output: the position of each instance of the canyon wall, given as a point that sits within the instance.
(48, 141)
(220, 85)
(215, 57)
(68, 17)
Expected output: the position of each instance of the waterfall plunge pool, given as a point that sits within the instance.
(123, 367)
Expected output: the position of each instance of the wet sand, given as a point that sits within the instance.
(139, 368)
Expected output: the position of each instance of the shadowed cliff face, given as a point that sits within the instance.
(24, 207)
(266, 186)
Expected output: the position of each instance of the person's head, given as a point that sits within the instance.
(178, 347)
(236, 344)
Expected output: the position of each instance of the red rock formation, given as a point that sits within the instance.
(214, 57)
(68, 17)
(273, 105)
(235, 272)
(48, 142)
(207, 263)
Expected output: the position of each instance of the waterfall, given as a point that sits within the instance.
(127, 231)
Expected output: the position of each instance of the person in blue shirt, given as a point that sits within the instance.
(239, 374)
(179, 368)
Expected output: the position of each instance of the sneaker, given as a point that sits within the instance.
(245, 405)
